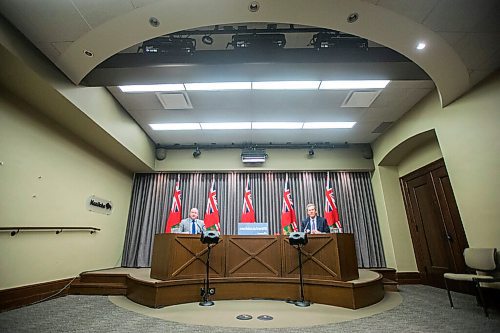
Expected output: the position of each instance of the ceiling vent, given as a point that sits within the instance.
(384, 126)
(360, 98)
(175, 101)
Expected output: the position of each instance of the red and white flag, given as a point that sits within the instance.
(248, 213)
(331, 212)
(288, 218)
(211, 219)
(174, 218)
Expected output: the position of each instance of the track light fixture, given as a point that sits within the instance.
(311, 152)
(208, 40)
(196, 152)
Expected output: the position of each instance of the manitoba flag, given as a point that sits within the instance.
(248, 213)
(288, 219)
(331, 212)
(211, 219)
(174, 218)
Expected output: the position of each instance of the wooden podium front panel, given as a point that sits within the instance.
(253, 256)
(322, 258)
(180, 256)
(346, 254)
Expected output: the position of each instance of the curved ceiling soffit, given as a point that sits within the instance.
(394, 156)
(438, 60)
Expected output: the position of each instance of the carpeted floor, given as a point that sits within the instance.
(423, 309)
(283, 314)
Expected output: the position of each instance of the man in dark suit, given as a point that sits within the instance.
(314, 224)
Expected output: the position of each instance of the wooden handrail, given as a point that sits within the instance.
(15, 230)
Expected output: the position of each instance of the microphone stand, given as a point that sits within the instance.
(205, 301)
(302, 303)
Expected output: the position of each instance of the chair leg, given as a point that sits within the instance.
(449, 294)
(480, 293)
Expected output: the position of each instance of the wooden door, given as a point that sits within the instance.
(436, 228)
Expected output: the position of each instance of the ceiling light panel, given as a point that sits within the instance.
(354, 84)
(211, 86)
(328, 125)
(286, 85)
(175, 126)
(277, 125)
(152, 88)
(226, 126)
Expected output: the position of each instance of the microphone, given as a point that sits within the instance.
(305, 227)
(198, 227)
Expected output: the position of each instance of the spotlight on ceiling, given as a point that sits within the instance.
(169, 45)
(196, 152)
(253, 155)
(326, 40)
(207, 40)
(311, 152)
(258, 41)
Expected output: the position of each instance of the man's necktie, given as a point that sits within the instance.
(313, 224)
(193, 227)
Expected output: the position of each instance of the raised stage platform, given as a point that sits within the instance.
(243, 267)
(138, 286)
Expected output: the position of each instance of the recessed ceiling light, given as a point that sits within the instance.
(222, 126)
(277, 125)
(219, 86)
(154, 22)
(175, 126)
(353, 17)
(286, 85)
(253, 6)
(421, 46)
(354, 84)
(331, 124)
(152, 87)
(88, 53)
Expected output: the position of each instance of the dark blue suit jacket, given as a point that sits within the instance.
(321, 224)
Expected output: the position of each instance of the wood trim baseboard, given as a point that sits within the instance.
(409, 278)
(20, 296)
(387, 273)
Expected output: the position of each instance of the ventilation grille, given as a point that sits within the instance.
(360, 98)
(175, 101)
(384, 126)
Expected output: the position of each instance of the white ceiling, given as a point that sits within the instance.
(470, 29)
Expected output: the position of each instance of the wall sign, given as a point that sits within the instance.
(98, 205)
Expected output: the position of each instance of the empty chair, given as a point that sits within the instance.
(483, 261)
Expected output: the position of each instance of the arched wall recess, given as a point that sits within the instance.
(380, 25)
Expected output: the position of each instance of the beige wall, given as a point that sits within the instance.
(278, 159)
(46, 176)
(419, 157)
(468, 138)
(89, 112)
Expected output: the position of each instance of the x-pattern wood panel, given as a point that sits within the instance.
(253, 255)
(195, 256)
(311, 256)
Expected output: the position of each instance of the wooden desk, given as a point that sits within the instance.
(249, 267)
(330, 257)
